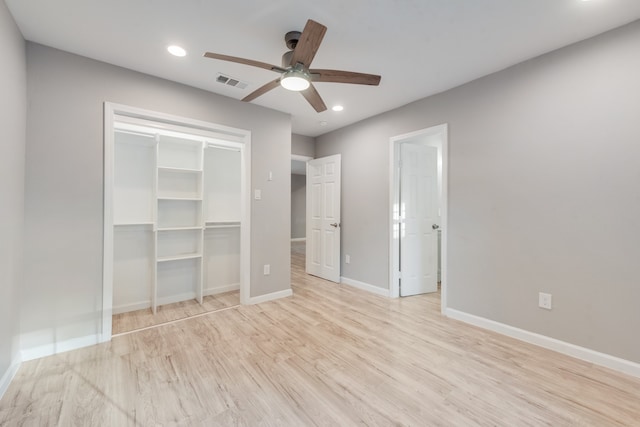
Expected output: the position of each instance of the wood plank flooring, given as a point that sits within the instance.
(330, 355)
(133, 320)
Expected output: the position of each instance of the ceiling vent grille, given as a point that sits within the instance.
(230, 81)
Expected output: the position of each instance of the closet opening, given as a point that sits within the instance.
(176, 213)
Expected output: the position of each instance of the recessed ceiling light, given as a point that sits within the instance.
(176, 50)
(337, 108)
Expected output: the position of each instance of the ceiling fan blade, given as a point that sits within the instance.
(339, 76)
(244, 61)
(312, 95)
(262, 90)
(308, 43)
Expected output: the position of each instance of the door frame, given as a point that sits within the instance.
(441, 132)
(112, 112)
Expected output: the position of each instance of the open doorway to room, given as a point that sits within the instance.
(418, 213)
(298, 212)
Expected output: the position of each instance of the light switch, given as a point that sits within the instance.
(258, 195)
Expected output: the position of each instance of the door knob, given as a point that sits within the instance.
(335, 224)
(435, 226)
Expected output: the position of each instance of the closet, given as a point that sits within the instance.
(176, 215)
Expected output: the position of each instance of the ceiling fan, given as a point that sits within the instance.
(295, 72)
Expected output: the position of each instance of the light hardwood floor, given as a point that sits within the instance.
(330, 355)
(130, 321)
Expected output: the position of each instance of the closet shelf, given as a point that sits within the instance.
(133, 224)
(178, 257)
(209, 227)
(178, 170)
(196, 227)
(187, 199)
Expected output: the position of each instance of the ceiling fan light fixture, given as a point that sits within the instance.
(295, 80)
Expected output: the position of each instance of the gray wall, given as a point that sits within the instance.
(303, 145)
(64, 184)
(13, 117)
(298, 206)
(543, 192)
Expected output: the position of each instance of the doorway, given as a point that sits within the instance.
(417, 227)
(298, 212)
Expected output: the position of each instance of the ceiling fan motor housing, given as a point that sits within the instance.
(286, 59)
(291, 39)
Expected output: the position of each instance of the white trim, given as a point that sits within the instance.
(602, 359)
(301, 158)
(59, 347)
(221, 289)
(270, 297)
(365, 286)
(394, 142)
(8, 376)
(299, 239)
(238, 137)
(108, 232)
(134, 306)
(245, 218)
(141, 305)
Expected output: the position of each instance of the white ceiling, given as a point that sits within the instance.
(420, 47)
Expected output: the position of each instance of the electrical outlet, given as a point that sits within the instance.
(544, 301)
(347, 259)
(266, 270)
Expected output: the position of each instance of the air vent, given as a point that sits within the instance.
(230, 81)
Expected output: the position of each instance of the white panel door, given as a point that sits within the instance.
(419, 219)
(323, 217)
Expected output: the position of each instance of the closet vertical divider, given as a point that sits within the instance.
(200, 295)
(154, 269)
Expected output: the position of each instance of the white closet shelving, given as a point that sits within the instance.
(179, 239)
(176, 218)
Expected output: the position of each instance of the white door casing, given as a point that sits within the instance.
(419, 219)
(323, 218)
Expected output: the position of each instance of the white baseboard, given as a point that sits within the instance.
(59, 347)
(125, 308)
(365, 286)
(8, 376)
(602, 359)
(176, 298)
(271, 296)
(299, 239)
(141, 305)
(221, 289)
